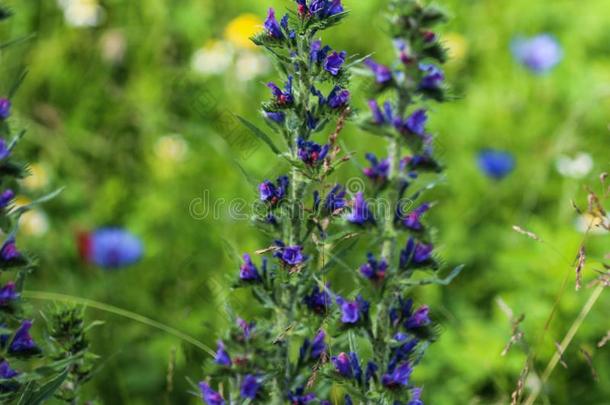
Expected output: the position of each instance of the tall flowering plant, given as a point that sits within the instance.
(32, 369)
(319, 342)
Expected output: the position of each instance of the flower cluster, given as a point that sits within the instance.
(30, 366)
(255, 361)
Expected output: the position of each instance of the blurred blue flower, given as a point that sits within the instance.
(289, 255)
(210, 396)
(22, 342)
(111, 248)
(313, 349)
(353, 311)
(5, 108)
(540, 53)
(397, 377)
(310, 152)
(382, 73)
(222, 357)
(419, 318)
(412, 220)
(272, 193)
(246, 327)
(433, 77)
(496, 164)
(6, 372)
(282, 97)
(298, 397)
(317, 53)
(249, 387)
(275, 116)
(379, 170)
(343, 364)
(416, 397)
(319, 300)
(9, 252)
(373, 269)
(335, 200)
(338, 97)
(5, 151)
(248, 271)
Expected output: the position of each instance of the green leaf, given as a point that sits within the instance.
(260, 134)
(33, 396)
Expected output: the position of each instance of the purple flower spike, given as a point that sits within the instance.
(338, 98)
(6, 197)
(374, 270)
(272, 26)
(496, 164)
(6, 372)
(433, 77)
(398, 377)
(249, 387)
(8, 294)
(360, 213)
(210, 397)
(222, 357)
(540, 53)
(382, 73)
(334, 62)
(310, 152)
(5, 108)
(419, 318)
(379, 170)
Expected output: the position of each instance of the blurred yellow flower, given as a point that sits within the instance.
(458, 46)
(240, 29)
(171, 148)
(34, 223)
(214, 58)
(587, 223)
(37, 179)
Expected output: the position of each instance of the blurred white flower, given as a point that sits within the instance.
(577, 167)
(113, 46)
(82, 13)
(171, 148)
(213, 58)
(591, 224)
(250, 65)
(34, 223)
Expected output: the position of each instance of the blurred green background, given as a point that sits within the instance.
(128, 105)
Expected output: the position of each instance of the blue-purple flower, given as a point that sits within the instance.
(110, 248)
(325, 8)
(411, 320)
(343, 364)
(382, 73)
(416, 397)
(335, 200)
(397, 377)
(273, 193)
(360, 213)
(246, 328)
(412, 220)
(9, 252)
(6, 197)
(319, 300)
(373, 269)
(496, 164)
(282, 97)
(272, 27)
(338, 97)
(248, 271)
(276, 116)
(298, 397)
(433, 77)
(419, 318)
(210, 396)
(379, 170)
(8, 294)
(313, 349)
(334, 61)
(5, 108)
(22, 342)
(317, 53)
(416, 122)
(415, 254)
(6, 372)
(222, 356)
(310, 152)
(249, 387)
(289, 255)
(5, 151)
(540, 53)
(353, 311)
